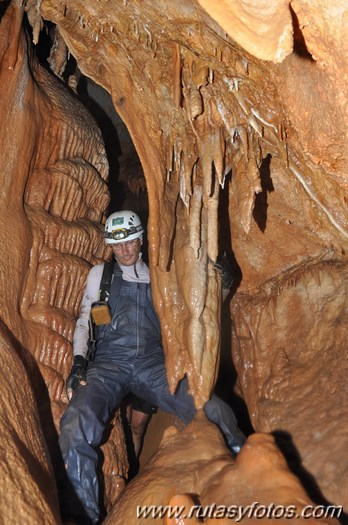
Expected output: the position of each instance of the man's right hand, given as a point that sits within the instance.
(223, 265)
(77, 375)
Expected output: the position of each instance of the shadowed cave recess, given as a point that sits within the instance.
(224, 125)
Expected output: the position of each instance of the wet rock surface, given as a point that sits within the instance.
(241, 150)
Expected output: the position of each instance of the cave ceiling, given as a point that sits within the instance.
(238, 112)
(196, 105)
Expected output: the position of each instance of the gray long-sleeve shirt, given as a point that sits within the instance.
(91, 294)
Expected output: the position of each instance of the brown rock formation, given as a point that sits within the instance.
(28, 492)
(53, 195)
(198, 103)
(182, 467)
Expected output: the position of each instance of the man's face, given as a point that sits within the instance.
(127, 253)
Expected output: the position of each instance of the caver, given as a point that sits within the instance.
(129, 358)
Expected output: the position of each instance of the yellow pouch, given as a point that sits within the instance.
(100, 312)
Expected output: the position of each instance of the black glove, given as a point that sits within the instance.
(77, 375)
(223, 265)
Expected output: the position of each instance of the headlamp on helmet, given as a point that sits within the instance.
(122, 226)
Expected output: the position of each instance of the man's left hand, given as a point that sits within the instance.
(77, 375)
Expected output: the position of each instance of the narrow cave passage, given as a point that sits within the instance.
(283, 221)
(127, 188)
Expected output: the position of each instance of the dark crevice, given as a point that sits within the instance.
(300, 47)
(261, 199)
(227, 375)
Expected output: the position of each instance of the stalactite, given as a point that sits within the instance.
(169, 162)
(177, 85)
(149, 36)
(219, 154)
(211, 320)
(33, 8)
(195, 220)
(242, 132)
(246, 177)
(195, 103)
(257, 127)
(195, 336)
(188, 161)
(177, 157)
(191, 272)
(167, 221)
(228, 118)
(136, 30)
(59, 55)
(266, 122)
(241, 101)
(184, 191)
(212, 225)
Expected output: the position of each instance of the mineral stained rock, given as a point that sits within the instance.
(194, 463)
(218, 112)
(54, 195)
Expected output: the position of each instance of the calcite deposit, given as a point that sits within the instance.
(184, 474)
(238, 112)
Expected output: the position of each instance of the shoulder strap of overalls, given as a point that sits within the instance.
(109, 268)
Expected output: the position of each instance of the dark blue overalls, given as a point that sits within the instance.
(129, 358)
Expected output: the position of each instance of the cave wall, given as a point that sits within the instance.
(207, 105)
(197, 103)
(28, 489)
(54, 197)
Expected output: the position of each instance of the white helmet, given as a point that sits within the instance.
(122, 226)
